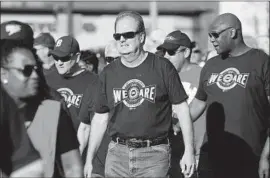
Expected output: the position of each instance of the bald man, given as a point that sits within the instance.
(111, 52)
(234, 89)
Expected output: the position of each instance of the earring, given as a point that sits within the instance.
(5, 81)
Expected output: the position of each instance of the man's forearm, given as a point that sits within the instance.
(266, 149)
(83, 135)
(186, 127)
(97, 130)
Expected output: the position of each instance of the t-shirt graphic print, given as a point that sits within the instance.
(133, 93)
(71, 98)
(228, 79)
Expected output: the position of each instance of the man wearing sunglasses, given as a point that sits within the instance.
(77, 85)
(135, 100)
(177, 47)
(234, 89)
(111, 52)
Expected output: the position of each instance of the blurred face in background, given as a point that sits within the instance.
(42, 53)
(111, 53)
(129, 39)
(196, 56)
(21, 73)
(65, 64)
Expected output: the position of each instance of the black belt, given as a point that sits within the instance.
(138, 143)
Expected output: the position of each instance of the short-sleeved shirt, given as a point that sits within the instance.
(16, 148)
(73, 89)
(140, 99)
(236, 90)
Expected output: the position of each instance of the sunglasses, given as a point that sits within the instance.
(62, 59)
(217, 34)
(127, 35)
(26, 71)
(173, 52)
(110, 59)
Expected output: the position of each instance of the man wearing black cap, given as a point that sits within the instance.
(43, 43)
(77, 85)
(177, 48)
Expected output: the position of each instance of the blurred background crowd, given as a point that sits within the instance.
(92, 22)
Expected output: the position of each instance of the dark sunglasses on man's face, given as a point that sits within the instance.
(127, 35)
(62, 59)
(217, 34)
(110, 59)
(173, 52)
(26, 71)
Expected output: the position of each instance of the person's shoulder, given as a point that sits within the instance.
(260, 55)
(161, 62)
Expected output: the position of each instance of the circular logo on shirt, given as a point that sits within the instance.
(227, 80)
(133, 88)
(133, 93)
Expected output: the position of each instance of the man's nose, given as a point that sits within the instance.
(122, 39)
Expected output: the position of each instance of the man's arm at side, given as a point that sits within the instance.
(197, 108)
(98, 127)
(83, 135)
(188, 160)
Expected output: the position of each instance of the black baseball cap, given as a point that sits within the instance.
(15, 30)
(65, 46)
(45, 39)
(175, 39)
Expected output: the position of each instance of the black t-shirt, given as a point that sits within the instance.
(140, 99)
(16, 148)
(73, 89)
(236, 90)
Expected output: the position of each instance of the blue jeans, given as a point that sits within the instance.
(123, 161)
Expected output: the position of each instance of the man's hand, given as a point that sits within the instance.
(188, 164)
(264, 167)
(88, 169)
(176, 128)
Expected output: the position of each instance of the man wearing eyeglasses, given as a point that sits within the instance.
(111, 52)
(138, 92)
(177, 47)
(234, 88)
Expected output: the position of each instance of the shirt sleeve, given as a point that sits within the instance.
(66, 135)
(176, 91)
(101, 104)
(87, 108)
(266, 74)
(201, 94)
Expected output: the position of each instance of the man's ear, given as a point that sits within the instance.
(78, 55)
(233, 33)
(187, 53)
(142, 37)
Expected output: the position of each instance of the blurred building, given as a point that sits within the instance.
(92, 23)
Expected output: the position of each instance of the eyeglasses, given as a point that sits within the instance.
(217, 34)
(110, 59)
(127, 35)
(26, 71)
(173, 52)
(62, 59)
